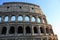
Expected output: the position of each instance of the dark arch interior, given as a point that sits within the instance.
(28, 30)
(4, 29)
(47, 30)
(20, 29)
(51, 30)
(35, 30)
(41, 29)
(50, 38)
(12, 30)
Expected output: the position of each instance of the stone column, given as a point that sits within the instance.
(16, 18)
(36, 18)
(9, 19)
(41, 20)
(23, 18)
(24, 30)
(44, 30)
(39, 30)
(2, 19)
(32, 30)
(8, 28)
(16, 28)
(30, 18)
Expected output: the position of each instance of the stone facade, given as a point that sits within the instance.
(24, 21)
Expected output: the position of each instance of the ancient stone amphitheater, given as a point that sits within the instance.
(24, 21)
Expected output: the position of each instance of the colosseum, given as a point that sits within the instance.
(24, 21)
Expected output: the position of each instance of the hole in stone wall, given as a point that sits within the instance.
(13, 18)
(4, 29)
(41, 29)
(28, 30)
(47, 30)
(35, 30)
(20, 7)
(6, 18)
(51, 31)
(20, 18)
(20, 29)
(27, 18)
(12, 30)
(33, 19)
(7, 7)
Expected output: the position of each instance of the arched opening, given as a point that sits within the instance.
(51, 31)
(28, 30)
(44, 38)
(13, 18)
(12, 30)
(27, 18)
(20, 29)
(20, 18)
(4, 29)
(41, 29)
(35, 30)
(6, 18)
(44, 20)
(38, 20)
(0, 19)
(33, 19)
(50, 38)
(47, 30)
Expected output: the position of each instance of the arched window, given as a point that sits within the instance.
(47, 30)
(0, 19)
(35, 30)
(27, 18)
(13, 18)
(6, 18)
(33, 19)
(20, 29)
(20, 18)
(12, 30)
(38, 20)
(41, 29)
(28, 30)
(4, 29)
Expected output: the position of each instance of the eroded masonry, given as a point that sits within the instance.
(24, 21)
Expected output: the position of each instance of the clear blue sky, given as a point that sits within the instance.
(51, 8)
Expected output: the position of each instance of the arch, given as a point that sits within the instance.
(44, 38)
(35, 30)
(50, 38)
(28, 30)
(38, 20)
(6, 18)
(20, 29)
(4, 29)
(12, 30)
(13, 18)
(33, 19)
(27, 18)
(44, 20)
(41, 29)
(51, 31)
(47, 30)
(20, 18)
(0, 19)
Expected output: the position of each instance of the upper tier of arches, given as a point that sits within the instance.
(21, 18)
